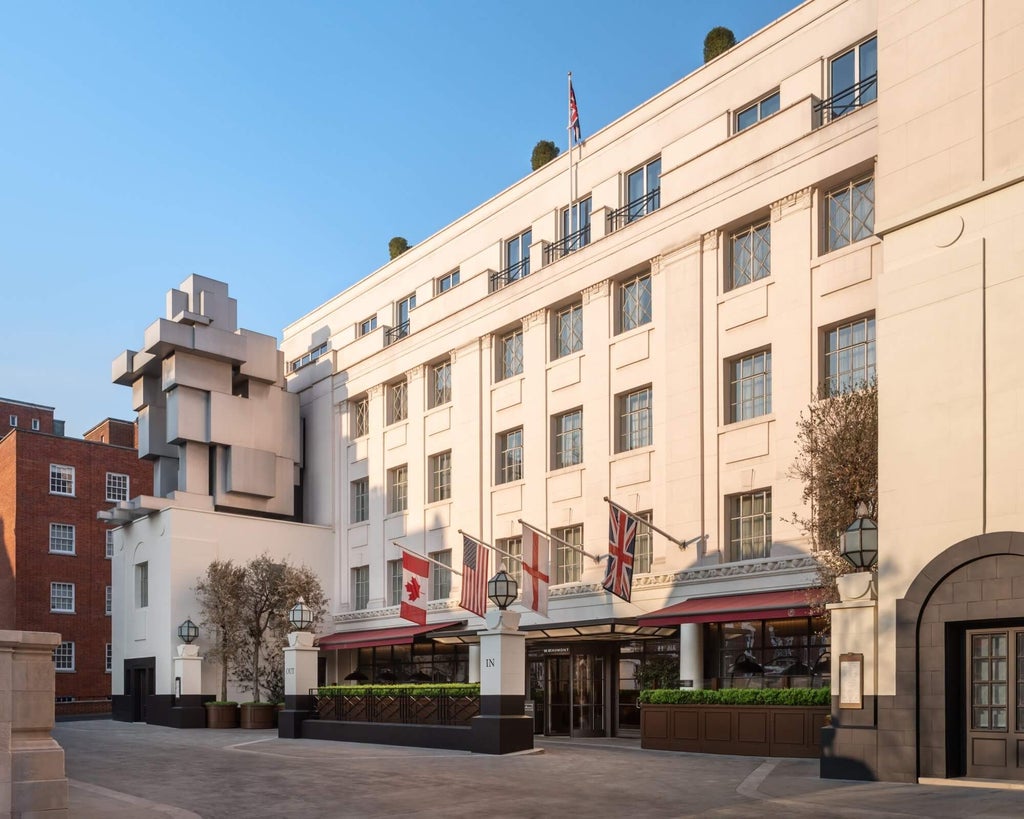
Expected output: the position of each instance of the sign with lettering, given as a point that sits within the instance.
(489, 663)
(851, 680)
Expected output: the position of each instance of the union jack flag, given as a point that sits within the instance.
(574, 114)
(618, 576)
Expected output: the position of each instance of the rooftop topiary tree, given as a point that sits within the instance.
(397, 246)
(718, 41)
(543, 152)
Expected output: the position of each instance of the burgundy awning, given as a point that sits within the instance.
(759, 606)
(401, 635)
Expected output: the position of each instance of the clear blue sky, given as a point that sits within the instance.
(277, 147)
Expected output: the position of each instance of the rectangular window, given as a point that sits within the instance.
(398, 489)
(568, 562)
(643, 554)
(35, 425)
(440, 579)
(636, 419)
(402, 311)
(117, 486)
(850, 356)
(853, 79)
(141, 585)
(511, 351)
(110, 543)
(398, 401)
(575, 232)
(643, 190)
(440, 383)
(635, 302)
(360, 500)
(62, 597)
(13, 420)
(757, 112)
(367, 325)
(108, 662)
(447, 282)
(569, 330)
(750, 386)
(309, 357)
(394, 582)
(360, 417)
(440, 476)
(568, 443)
(62, 479)
(510, 456)
(62, 538)
(750, 525)
(517, 258)
(514, 547)
(850, 212)
(64, 657)
(360, 587)
(751, 255)
(108, 605)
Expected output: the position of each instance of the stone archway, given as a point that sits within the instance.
(971, 583)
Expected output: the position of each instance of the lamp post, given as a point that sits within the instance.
(300, 672)
(300, 615)
(859, 543)
(188, 710)
(502, 590)
(188, 632)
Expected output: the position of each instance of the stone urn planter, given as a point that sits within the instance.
(222, 715)
(258, 715)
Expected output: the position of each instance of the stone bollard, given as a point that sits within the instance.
(32, 780)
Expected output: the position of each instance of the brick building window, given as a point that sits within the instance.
(62, 538)
(108, 663)
(14, 420)
(108, 605)
(117, 486)
(62, 479)
(62, 598)
(64, 657)
(110, 543)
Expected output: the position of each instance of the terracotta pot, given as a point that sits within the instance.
(258, 715)
(221, 716)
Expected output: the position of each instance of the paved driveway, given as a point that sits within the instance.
(120, 770)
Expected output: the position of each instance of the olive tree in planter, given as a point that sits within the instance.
(218, 592)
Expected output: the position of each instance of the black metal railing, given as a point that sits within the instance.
(634, 210)
(393, 334)
(847, 100)
(570, 244)
(400, 709)
(514, 272)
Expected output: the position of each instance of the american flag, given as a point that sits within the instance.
(474, 577)
(618, 576)
(574, 114)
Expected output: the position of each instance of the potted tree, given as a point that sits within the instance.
(218, 593)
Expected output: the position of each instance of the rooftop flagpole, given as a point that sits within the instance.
(575, 548)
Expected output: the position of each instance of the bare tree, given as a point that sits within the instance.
(218, 593)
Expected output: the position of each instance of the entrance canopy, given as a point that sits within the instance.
(759, 606)
(401, 635)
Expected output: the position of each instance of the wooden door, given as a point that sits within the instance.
(995, 707)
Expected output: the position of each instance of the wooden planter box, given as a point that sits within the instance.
(221, 716)
(745, 730)
(258, 715)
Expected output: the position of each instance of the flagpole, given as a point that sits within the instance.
(595, 558)
(428, 559)
(489, 546)
(682, 544)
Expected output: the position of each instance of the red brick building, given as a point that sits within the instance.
(54, 566)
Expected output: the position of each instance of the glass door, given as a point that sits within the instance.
(559, 691)
(995, 712)
(588, 695)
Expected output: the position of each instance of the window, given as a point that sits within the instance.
(853, 79)
(575, 231)
(569, 330)
(117, 487)
(441, 476)
(568, 442)
(750, 386)
(110, 544)
(35, 425)
(398, 401)
(851, 213)
(440, 579)
(511, 362)
(62, 597)
(514, 547)
(643, 553)
(568, 562)
(360, 587)
(757, 112)
(447, 282)
(367, 325)
(360, 500)
(402, 311)
(309, 357)
(62, 480)
(361, 417)
(635, 302)
(62, 538)
(517, 258)
(643, 190)
(141, 585)
(108, 662)
(850, 356)
(14, 420)
(398, 489)
(510, 456)
(108, 605)
(751, 255)
(394, 582)
(440, 383)
(64, 657)
(635, 419)
(750, 525)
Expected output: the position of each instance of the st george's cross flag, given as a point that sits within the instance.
(474, 577)
(536, 566)
(618, 575)
(415, 571)
(574, 114)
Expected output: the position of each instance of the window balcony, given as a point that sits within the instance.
(845, 101)
(514, 272)
(393, 334)
(634, 210)
(570, 244)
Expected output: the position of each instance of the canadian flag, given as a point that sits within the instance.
(415, 571)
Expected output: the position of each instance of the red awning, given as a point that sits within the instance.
(760, 606)
(402, 635)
